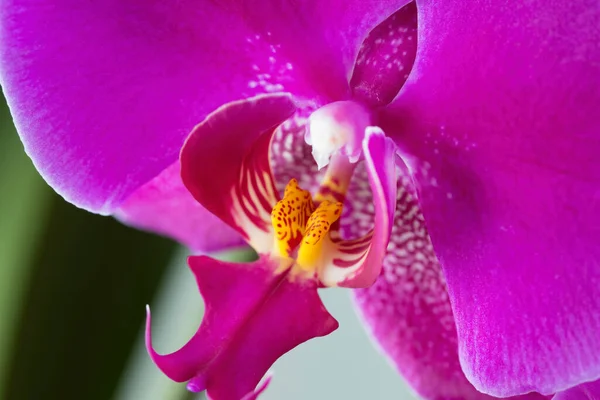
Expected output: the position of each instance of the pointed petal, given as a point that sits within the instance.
(104, 93)
(407, 311)
(165, 206)
(357, 263)
(386, 58)
(225, 165)
(585, 391)
(500, 114)
(253, 316)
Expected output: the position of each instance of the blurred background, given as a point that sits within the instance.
(73, 290)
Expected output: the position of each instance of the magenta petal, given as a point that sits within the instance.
(165, 206)
(225, 165)
(500, 116)
(585, 391)
(253, 316)
(104, 93)
(408, 312)
(386, 58)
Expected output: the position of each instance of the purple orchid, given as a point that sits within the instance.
(486, 153)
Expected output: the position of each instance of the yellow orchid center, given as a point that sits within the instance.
(317, 229)
(289, 217)
(297, 223)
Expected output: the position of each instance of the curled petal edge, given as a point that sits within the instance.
(357, 263)
(225, 164)
(253, 312)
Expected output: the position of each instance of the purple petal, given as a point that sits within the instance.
(225, 165)
(165, 206)
(585, 391)
(253, 316)
(385, 58)
(357, 262)
(104, 93)
(407, 310)
(498, 122)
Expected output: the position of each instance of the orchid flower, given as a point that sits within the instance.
(458, 197)
(261, 310)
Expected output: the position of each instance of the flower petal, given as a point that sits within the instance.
(500, 116)
(104, 93)
(165, 206)
(407, 311)
(585, 391)
(385, 58)
(225, 165)
(357, 262)
(253, 316)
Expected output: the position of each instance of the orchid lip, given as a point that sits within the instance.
(337, 128)
(301, 229)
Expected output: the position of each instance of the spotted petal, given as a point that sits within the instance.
(225, 165)
(386, 58)
(104, 92)
(254, 314)
(500, 114)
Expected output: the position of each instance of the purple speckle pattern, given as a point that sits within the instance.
(291, 157)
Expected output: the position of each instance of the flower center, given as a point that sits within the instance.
(303, 232)
(289, 217)
(297, 222)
